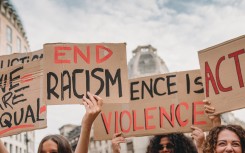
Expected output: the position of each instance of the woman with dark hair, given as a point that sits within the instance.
(225, 138)
(54, 144)
(166, 143)
(171, 143)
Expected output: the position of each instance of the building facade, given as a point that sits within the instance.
(13, 40)
(13, 37)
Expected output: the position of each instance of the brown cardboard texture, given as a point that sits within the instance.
(70, 70)
(159, 104)
(21, 108)
(18, 58)
(223, 72)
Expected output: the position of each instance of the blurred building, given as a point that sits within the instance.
(145, 61)
(13, 40)
(13, 36)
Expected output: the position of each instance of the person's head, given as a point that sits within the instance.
(225, 138)
(171, 143)
(54, 144)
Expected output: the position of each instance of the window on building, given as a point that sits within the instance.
(20, 150)
(18, 44)
(17, 149)
(10, 148)
(130, 147)
(5, 144)
(9, 34)
(9, 49)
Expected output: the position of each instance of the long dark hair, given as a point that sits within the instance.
(62, 143)
(212, 138)
(182, 144)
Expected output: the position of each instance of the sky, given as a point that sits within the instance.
(178, 29)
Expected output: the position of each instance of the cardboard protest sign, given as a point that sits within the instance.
(21, 108)
(70, 70)
(20, 58)
(159, 104)
(223, 71)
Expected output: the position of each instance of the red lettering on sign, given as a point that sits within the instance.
(116, 122)
(149, 117)
(81, 54)
(42, 109)
(237, 63)
(195, 113)
(26, 78)
(209, 78)
(16, 127)
(98, 50)
(169, 117)
(123, 113)
(57, 54)
(135, 127)
(181, 122)
(106, 122)
(221, 87)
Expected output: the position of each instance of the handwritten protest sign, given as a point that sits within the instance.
(159, 104)
(21, 108)
(223, 71)
(70, 70)
(18, 58)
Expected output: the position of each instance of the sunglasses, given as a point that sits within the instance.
(169, 146)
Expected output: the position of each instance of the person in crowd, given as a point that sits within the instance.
(225, 139)
(59, 144)
(54, 144)
(116, 141)
(171, 143)
(198, 137)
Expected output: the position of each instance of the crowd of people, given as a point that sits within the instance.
(221, 138)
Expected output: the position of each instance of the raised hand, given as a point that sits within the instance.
(211, 110)
(115, 143)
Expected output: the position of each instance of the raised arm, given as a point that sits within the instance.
(93, 107)
(115, 142)
(2, 147)
(199, 138)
